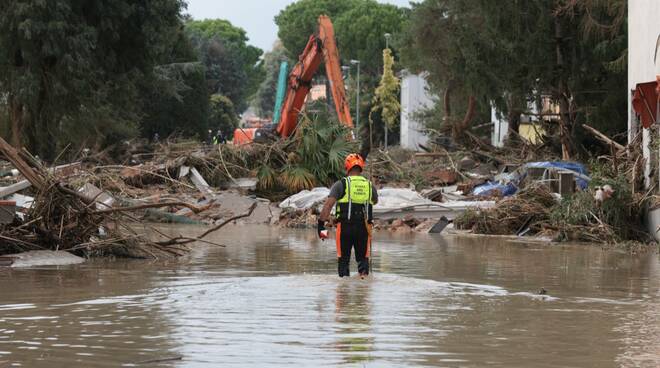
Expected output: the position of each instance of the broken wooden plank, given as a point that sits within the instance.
(566, 183)
(13, 156)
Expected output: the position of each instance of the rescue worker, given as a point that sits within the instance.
(353, 198)
(219, 138)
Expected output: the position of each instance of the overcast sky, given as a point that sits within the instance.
(256, 17)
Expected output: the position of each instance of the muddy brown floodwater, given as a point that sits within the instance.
(271, 299)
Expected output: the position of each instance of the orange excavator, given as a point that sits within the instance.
(320, 47)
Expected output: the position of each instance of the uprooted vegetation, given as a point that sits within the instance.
(182, 181)
(582, 216)
(68, 219)
(172, 183)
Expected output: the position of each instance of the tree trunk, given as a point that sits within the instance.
(16, 121)
(460, 127)
(447, 101)
(514, 124)
(513, 117)
(469, 114)
(565, 120)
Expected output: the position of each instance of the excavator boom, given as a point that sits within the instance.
(320, 47)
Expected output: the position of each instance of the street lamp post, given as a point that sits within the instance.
(357, 107)
(387, 46)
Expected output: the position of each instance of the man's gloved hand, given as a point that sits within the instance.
(323, 233)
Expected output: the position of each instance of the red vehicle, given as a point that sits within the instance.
(320, 47)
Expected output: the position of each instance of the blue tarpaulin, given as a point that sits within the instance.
(582, 178)
(510, 188)
(491, 188)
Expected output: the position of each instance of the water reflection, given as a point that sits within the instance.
(271, 298)
(352, 310)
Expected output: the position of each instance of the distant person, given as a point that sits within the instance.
(210, 138)
(219, 137)
(353, 197)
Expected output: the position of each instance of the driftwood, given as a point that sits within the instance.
(183, 240)
(192, 207)
(603, 138)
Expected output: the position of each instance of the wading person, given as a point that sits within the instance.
(353, 198)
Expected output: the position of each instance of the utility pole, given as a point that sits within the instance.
(357, 107)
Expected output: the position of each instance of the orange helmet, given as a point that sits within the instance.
(353, 160)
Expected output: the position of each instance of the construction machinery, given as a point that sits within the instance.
(321, 47)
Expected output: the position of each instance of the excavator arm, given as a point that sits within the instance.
(320, 47)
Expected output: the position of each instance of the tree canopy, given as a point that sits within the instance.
(264, 99)
(222, 115)
(232, 65)
(360, 27)
(299, 20)
(513, 53)
(361, 32)
(179, 107)
(64, 61)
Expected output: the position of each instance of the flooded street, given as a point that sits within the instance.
(271, 298)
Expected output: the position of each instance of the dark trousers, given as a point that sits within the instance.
(349, 236)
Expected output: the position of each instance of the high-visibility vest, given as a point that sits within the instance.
(356, 204)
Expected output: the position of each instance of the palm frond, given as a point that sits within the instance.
(295, 179)
(267, 177)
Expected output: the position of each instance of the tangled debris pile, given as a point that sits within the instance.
(64, 218)
(525, 212)
(608, 211)
(92, 209)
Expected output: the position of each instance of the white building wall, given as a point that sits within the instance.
(415, 97)
(500, 128)
(643, 33)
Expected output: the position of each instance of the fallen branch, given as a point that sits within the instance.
(13, 156)
(603, 138)
(174, 241)
(149, 172)
(194, 208)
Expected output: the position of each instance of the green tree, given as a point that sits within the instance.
(512, 53)
(360, 27)
(222, 115)
(79, 62)
(232, 65)
(299, 20)
(264, 99)
(386, 98)
(177, 101)
(361, 32)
